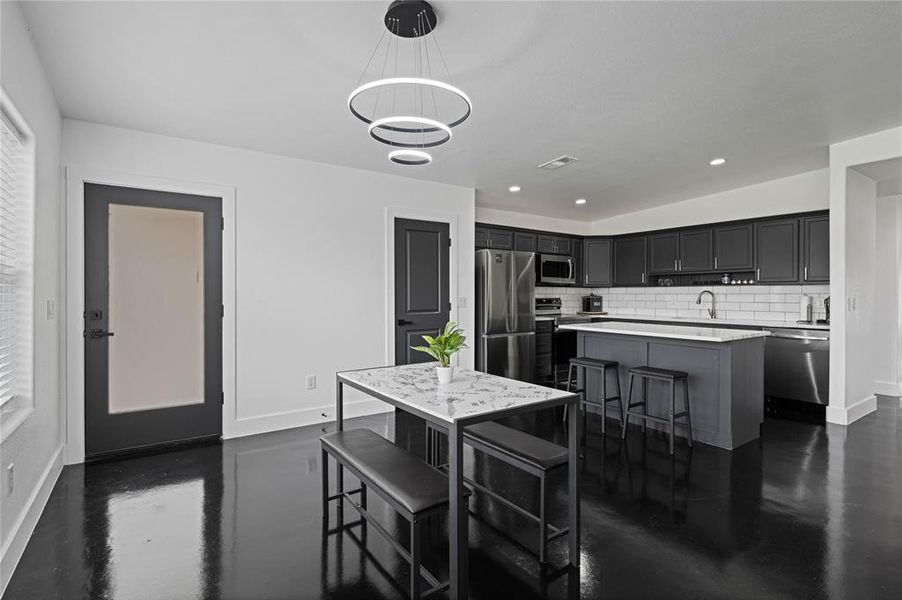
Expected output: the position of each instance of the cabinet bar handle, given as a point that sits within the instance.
(643, 277)
(758, 273)
(715, 262)
(681, 265)
(587, 278)
(806, 272)
(675, 267)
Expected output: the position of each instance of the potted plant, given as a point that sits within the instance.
(442, 348)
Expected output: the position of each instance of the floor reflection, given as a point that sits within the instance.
(808, 512)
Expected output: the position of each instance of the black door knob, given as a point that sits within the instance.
(404, 322)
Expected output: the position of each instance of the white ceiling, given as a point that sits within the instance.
(644, 94)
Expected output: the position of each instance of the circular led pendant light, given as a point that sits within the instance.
(404, 105)
(410, 157)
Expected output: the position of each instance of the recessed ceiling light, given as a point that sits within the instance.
(514, 188)
(717, 162)
(581, 201)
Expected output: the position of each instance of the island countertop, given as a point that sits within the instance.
(679, 332)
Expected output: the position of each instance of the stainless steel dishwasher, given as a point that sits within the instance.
(797, 364)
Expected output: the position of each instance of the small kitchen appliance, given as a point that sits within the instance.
(592, 304)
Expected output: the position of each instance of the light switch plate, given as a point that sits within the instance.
(51, 310)
(311, 382)
(462, 302)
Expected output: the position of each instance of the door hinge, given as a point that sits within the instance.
(222, 223)
(222, 310)
(449, 241)
(449, 306)
(222, 397)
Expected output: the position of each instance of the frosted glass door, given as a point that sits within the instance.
(156, 308)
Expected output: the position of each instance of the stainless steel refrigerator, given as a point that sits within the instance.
(506, 313)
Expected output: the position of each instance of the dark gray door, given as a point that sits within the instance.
(524, 242)
(696, 251)
(663, 252)
(597, 262)
(733, 247)
(816, 249)
(153, 319)
(629, 261)
(777, 251)
(422, 276)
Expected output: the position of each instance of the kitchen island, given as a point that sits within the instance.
(725, 367)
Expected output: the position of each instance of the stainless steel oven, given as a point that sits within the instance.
(555, 270)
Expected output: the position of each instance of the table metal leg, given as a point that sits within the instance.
(457, 517)
(339, 426)
(573, 466)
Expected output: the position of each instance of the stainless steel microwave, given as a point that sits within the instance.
(555, 270)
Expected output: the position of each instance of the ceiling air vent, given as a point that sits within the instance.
(557, 163)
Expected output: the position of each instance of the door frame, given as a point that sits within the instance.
(74, 359)
(398, 212)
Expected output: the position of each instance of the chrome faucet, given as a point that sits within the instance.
(712, 312)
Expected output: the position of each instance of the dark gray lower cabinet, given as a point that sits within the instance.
(524, 242)
(815, 249)
(777, 251)
(629, 261)
(734, 247)
(696, 251)
(597, 262)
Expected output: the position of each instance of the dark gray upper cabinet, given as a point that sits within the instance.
(629, 260)
(816, 249)
(696, 251)
(524, 242)
(777, 251)
(733, 247)
(596, 262)
(497, 239)
(664, 252)
(553, 244)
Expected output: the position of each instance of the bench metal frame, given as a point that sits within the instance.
(414, 555)
(547, 532)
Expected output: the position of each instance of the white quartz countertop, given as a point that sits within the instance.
(712, 322)
(470, 393)
(678, 332)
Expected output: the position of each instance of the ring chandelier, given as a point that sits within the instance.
(409, 112)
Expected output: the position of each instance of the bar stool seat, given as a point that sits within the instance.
(593, 404)
(672, 377)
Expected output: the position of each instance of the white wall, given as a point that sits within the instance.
(311, 264)
(34, 448)
(798, 193)
(527, 221)
(852, 220)
(888, 301)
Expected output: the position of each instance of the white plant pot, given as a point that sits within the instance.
(445, 375)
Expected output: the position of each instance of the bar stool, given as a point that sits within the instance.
(584, 363)
(667, 375)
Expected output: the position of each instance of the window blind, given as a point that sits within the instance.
(16, 258)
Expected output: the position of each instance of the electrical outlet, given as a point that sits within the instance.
(311, 382)
(10, 479)
(462, 302)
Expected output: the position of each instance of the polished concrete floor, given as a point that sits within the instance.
(808, 512)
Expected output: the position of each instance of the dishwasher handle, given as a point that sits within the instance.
(787, 336)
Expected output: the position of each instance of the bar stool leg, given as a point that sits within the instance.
(619, 393)
(415, 559)
(644, 404)
(604, 399)
(672, 403)
(569, 384)
(688, 415)
(629, 400)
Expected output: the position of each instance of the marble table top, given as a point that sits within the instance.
(679, 332)
(470, 394)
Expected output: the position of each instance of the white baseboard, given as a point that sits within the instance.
(21, 531)
(301, 418)
(846, 415)
(887, 388)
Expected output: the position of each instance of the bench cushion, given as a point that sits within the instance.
(410, 481)
(658, 373)
(539, 453)
(593, 363)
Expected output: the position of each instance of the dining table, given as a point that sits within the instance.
(471, 397)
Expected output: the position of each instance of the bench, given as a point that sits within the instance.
(519, 449)
(409, 485)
